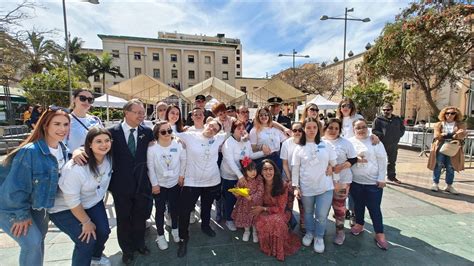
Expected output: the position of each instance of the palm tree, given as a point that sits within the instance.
(75, 46)
(41, 52)
(87, 67)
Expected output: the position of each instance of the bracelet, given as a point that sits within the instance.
(88, 221)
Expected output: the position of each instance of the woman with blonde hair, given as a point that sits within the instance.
(30, 186)
(450, 127)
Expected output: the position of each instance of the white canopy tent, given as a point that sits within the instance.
(214, 87)
(274, 87)
(320, 101)
(114, 102)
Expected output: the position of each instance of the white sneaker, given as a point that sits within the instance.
(192, 217)
(102, 261)
(318, 245)
(148, 224)
(230, 225)
(246, 236)
(167, 219)
(451, 189)
(161, 242)
(175, 234)
(307, 239)
(255, 236)
(434, 187)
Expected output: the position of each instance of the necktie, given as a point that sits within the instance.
(131, 142)
(274, 118)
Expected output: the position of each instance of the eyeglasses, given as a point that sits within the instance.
(387, 110)
(314, 109)
(137, 113)
(55, 108)
(300, 130)
(164, 132)
(347, 105)
(450, 113)
(83, 98)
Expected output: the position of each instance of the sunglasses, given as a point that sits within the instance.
(164, 132)
(297, 130)
(83, 98)
(346, 106)
(55, 108)
(314, 109)
(450, 113)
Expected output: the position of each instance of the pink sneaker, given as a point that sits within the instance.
(357, 229)
(380, 241)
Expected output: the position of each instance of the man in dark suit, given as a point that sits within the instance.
(275, 109)
(200, 101)
(129, 184)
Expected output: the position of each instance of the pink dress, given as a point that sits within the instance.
(273, 232)
(242, 214)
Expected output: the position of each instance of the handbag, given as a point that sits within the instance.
(450, 148)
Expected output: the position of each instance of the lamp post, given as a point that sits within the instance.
(324, 17)
(68, 58)
(294, 54)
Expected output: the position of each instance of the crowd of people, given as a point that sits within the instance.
(64, 169)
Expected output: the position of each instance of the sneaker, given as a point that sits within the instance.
(230, 225)
(102, 261)
(381, 242)
(318, 245)
(148, 223)
(451, 189)
(340, 237)
(307, 239)
(357, 229)
(434, 187)
(175, 234)
(161, 242)
(192, 217)
(246, 236)
(255, 236)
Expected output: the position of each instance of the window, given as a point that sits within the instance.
(225, 60)
(191, 74)
(207, 74)
(156, 56)
(116, 82)
(244, 89)
(156, 73)
(115, 53)
(96, 78)
(138, 71)
(137, 56)
(237, 51)
(238, 73)
(207, 59)
(97, 90)
(174, 73)
(174, 58)
(238, 65)
(237, 58)
(225, 75)
(190, 58)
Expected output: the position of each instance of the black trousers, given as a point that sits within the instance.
(187, 200)
(168, 196)
(392, 153)
(132, 211)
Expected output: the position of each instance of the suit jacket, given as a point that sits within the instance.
(284, 120)
(130, 174)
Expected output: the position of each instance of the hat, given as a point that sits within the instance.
(200, 97)
(231, 108)
(275, 100)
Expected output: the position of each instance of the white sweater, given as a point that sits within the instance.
(376, 167)
(233, 151)
(166, 164)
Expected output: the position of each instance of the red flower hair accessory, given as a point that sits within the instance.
(246, 161)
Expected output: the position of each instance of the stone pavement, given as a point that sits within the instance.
(423, 228)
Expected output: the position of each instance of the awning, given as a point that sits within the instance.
(114, 102)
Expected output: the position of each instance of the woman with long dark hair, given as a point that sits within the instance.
(31, 184)
(174, 117)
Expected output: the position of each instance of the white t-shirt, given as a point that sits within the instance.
(310, 163)
(194, 129)
(233, 151)
(58, 154)
(286, 152)
(376, 167)
(344, 150)
(347, 128)
(166, 164)
(201, 159)
(77, 132)
(269, 136)
(78, 185)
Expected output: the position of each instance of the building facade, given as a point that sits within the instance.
(179, 60)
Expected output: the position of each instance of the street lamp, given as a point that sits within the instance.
(95, 2)
(324, 17)
(294, 54)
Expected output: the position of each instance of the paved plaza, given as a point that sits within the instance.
(423, 228)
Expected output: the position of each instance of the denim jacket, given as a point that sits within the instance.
(31, 181)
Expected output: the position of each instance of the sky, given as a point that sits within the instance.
(265, 28)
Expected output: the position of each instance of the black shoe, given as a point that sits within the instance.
(127, 258)
(144, 251)
(395, 180)
(182, 248)
(208, 231)
(348, 214)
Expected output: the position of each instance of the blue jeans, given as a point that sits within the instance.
(316, 211)
(369, 196)
(229, 198)
(443, 161)
(31, 245)
(69, 224)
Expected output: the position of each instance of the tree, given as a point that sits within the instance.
(75, 47)
(87, 67)
(308, 78)
(370, 96)
(49, 87)
(427, 44)
(41, 52)
(105, 66)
